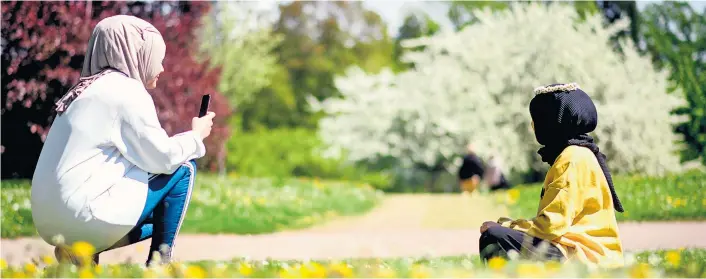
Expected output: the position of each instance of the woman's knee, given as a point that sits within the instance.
(495, 232)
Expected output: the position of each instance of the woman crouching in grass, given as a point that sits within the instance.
(576, 216)
(108, 174)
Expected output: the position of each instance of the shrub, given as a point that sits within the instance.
(292, 152)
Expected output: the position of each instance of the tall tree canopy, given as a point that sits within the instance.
(320, 39)
(42, 54)
(675, 36)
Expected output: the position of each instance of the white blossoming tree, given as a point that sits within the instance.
(476, 85)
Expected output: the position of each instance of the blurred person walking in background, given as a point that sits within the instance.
(471, 171)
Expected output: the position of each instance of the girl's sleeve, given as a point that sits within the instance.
(557, 208)
(139, 136)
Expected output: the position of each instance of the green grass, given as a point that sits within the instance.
(230, 205)
(690, 263)
(672, 197)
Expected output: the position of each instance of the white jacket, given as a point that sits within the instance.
(91, 180)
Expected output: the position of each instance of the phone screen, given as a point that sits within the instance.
(205, 102)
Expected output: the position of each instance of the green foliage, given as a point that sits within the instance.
(292, 152)
(319, 40)
(685, 263)
(672, 197)
(414, 26)
(675, 35)
(690, 263)
(232, 205)
(16, 219)
(243, 53)
(462, 13)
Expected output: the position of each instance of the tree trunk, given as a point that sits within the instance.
(431, 186)
(222, 159)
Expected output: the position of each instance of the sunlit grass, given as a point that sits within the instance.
(232, 205)
(690, 263)
(673, 197)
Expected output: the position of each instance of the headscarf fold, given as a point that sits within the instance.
(563, 115)
(120, 43)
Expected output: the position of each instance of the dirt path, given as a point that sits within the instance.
(404, 225)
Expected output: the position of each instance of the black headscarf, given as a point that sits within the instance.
(563, 115)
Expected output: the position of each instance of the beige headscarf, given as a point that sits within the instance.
(121, 43)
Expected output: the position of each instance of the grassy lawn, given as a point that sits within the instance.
(231, 205)
(673, 197)
(690, 263)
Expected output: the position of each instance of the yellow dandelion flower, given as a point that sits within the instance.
(98, 269)
(530, 270)
(149, 273)
(3, 264)
(48, 260)
(641, 270)
(331, 214)
(313, 270)
(342, 269)
(83, 249)
(247, 201)
(86, 273)
(673, 258)
(385, 273)
(115, 271)
(552, 266)
(30, 268)
(287, 273)
(318, 183)
(497, 263)
(194, 271)
(261, 201)
(419, 271)
(245, 269)
(513, 195)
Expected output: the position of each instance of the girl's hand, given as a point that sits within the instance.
(203, 125)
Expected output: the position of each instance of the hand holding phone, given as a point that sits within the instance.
(203, 123)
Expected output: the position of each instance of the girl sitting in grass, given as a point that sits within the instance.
(576, 215)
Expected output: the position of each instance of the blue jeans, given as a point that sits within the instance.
(167, 200)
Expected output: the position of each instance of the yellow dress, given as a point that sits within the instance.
(576, 212)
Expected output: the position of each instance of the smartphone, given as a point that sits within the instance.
(205, 103)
